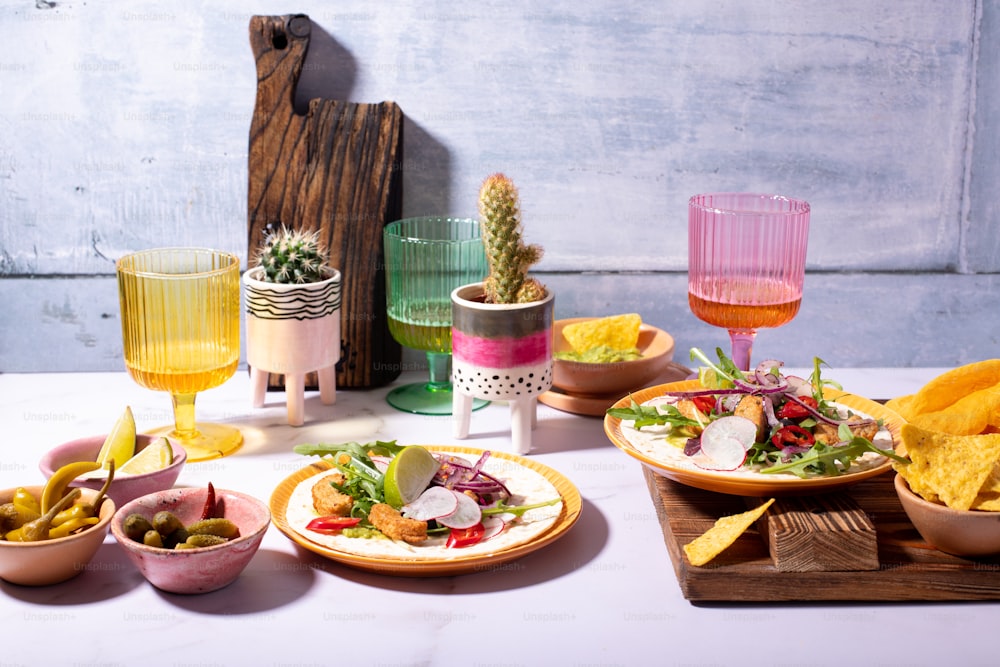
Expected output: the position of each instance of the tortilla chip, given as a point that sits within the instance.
(619, 332)
(721, 536)
(969, 415)
(949, 387)
(987, 502)
(902, 405)
(952, 467)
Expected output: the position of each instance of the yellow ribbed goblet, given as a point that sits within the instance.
(180, 310)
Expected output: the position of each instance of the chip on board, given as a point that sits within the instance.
(702, 549)
(618, 332)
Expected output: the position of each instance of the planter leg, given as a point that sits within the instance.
(522, 413)
(327, 385)
(461, 411)
(295, 392)
(258, 385)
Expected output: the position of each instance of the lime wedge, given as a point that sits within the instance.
(156, 456)
(408, 475)
(120, 443)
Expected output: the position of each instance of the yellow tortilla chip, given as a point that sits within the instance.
(902, 405)
(721, 536)
(952, 467)
(949, 387)
(969, 415)
(619, 332)
(987, 502)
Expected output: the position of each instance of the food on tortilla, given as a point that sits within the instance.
(395, 526)
(530, 506)
(327, 500)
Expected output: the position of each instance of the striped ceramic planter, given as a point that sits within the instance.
(293, 330)
(500, 352)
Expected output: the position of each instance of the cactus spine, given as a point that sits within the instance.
(291, 256)
(508, 257)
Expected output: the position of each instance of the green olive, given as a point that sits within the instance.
(136, 526)
(152, 539)
(166, 522)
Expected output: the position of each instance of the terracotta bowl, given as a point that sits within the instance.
(589, 379)
(53, 561)
(125, 488)
(201, 570)
(970, 533)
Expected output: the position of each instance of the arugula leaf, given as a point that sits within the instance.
(382, 448)
(831, 460)
(362, 480)
(517, 510)
(651, 415)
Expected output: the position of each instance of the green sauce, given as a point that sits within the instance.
(364, 533)
(602, 354)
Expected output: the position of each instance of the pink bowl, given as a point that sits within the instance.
(970, 533)
(52, 561)
(124, 489)
(200, 570)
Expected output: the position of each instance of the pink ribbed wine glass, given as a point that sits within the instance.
(746, 263)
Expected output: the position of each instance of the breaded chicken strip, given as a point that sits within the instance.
(329, 501)
(827, 433)
(751, 407)
(395, 526)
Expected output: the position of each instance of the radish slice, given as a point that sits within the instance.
(466, 514)
(433, 503)
(381, 462)
(493, 526)
(724, 443)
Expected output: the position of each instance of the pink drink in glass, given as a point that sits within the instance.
(746, 263)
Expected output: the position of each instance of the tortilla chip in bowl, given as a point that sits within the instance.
(583, 378)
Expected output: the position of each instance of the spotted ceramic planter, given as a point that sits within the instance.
(500, 352)
(293, 330)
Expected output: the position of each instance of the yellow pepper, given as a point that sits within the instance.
(24, 499)
(77, 511)
(64, 529)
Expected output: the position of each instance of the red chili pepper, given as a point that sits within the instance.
(705, 404)
(464, 537)
(792, 436)
(331, 525)
(209, 510)
(792, 410)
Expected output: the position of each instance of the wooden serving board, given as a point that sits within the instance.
(335, 169)
(907, 568)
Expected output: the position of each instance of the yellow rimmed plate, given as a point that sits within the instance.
(667, 462)
(568, 515)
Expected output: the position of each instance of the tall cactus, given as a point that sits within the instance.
(290, 256)
(508, 257)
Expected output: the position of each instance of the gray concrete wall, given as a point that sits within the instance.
(124, 125)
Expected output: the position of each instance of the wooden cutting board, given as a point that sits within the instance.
(906, 568)
(335, 169)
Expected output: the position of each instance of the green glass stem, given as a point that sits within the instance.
(439, 365)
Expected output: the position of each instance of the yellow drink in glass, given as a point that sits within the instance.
(180, 311)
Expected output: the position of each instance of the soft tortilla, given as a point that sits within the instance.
(527, 487)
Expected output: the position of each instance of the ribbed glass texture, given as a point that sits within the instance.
(747, 255)
(180, 315)
(426, 258)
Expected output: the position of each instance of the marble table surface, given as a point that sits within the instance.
(604, 594)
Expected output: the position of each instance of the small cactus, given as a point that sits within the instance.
(291, 256)
(508, 257)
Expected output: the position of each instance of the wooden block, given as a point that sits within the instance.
(823, 533)
(335, 170)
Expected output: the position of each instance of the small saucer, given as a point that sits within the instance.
(597, 405)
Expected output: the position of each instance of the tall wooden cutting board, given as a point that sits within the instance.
(334, 169)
